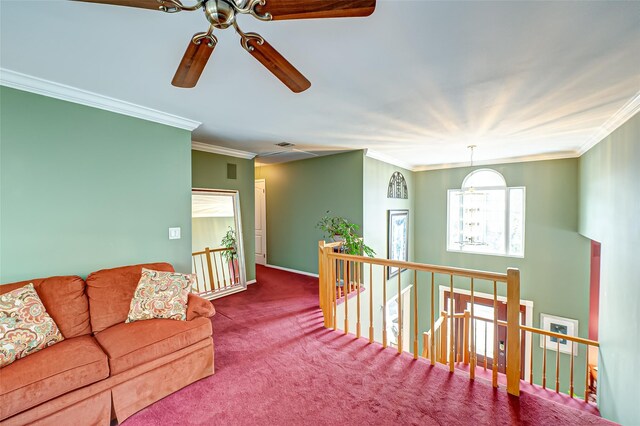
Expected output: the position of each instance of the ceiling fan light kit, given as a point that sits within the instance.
(221, 14)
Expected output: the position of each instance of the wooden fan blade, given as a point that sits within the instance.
(144, 4)
(193, 62)
(306, 9)
(279, 66)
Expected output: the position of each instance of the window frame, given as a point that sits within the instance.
(507, 217)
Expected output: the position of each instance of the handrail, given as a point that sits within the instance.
(198, 253)
(561, 336)
(423, 267)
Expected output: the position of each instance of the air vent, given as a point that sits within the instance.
(231, 171)
(285, 144)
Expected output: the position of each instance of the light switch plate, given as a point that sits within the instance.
(174, 233)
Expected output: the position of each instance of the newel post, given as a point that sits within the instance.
(324, 281)
(513, 331)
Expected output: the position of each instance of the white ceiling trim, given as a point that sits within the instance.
(63, 92)
(387, 159)
(524, 159)
(627, 111)
(213, 149)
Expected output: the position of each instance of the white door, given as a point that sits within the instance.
(261, 223)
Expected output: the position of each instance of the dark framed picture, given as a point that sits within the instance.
(398, 238)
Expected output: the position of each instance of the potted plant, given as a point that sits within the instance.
(340, 229)
(231, 255)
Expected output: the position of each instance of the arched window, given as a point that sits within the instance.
(486, 216)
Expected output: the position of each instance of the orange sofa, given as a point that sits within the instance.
(104, 369)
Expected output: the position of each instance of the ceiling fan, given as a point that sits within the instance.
(221, 14)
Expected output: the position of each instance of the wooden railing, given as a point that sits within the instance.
(215, 271)
(590, 373)
(352, 271)
(439, 334)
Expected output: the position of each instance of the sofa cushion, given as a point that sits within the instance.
(110, 292)
(161, 295)
(54, 371)
(65, 301)
(25, 325)
(135, 343)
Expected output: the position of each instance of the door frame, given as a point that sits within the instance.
(264, 230)
(528, 318)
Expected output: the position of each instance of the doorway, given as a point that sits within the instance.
(217, 246)
(261, 221)
(484, 329)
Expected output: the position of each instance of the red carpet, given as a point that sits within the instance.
(277, 365)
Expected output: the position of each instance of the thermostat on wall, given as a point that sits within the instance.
(174, 233)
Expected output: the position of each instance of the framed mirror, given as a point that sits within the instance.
(217, 256)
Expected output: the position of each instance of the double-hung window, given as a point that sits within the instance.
(485, 216)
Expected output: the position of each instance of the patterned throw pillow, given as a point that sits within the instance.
(25, 325)
(161, 295)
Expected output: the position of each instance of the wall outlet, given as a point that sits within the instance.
(174, 233)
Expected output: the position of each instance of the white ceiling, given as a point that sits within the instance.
(418, 81)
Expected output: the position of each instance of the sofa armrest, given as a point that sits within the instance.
(199, 307)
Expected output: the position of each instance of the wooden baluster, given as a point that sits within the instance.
(496, 356)
(340, 278)
(586, 378)
(531, 361)
(208, 254)
(558, 366)
(215, 267)
(465, 345)
(204, 275)
(346, 283)
(571, 371)
(425, 345)
(195, 270)
(443, 338)
(544, 362)
(357, 275)
(415, 314)
(400, 325)
(433, 315)
(474, 360)
(223, 268)
(371, 303)
(335, 278)
(451, 336)
(485, 345)
(384, 306)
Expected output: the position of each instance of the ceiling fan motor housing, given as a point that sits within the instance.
(220, 13)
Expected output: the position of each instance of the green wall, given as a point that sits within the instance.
(83, 189)
(555, 269)
(610, 214)
(298, 194)
(210, 171)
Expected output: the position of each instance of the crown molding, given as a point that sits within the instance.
(214, 149)
(63, 92)
(524, 159)
(387, 159)
(627, 111)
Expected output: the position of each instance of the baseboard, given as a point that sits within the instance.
(251, 282)
(295, 271)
